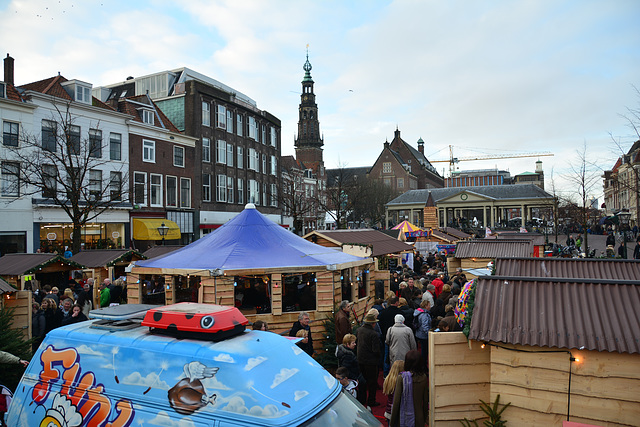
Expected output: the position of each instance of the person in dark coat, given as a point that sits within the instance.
(636, 250)
(38, 324)
(303, 323)
(611, 240)
(343, 324)
(52, 315)
(76, 316)
(346, 355)
(368, 356)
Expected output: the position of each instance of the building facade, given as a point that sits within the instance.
(237, 154)
(622, 185)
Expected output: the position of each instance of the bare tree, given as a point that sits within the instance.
(585, 176)
(343, 195)
(294, 199)
(64, 169)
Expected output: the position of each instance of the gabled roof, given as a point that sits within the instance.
(578, 268)
(499, 192)
(51, 86)
(19, 264)
(381, 243)
(96, 258)
(12, 93)
(600, 315)
(157, 251)
(251, 241)
(6, 287)
(346, 173)
(494, 248)
(417, 155)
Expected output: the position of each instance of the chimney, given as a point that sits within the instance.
(8, 69)
(421, 146)
(396, 134)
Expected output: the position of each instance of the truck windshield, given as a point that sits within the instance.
(344, 410)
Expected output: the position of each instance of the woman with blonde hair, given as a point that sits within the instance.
(411, 395)
(389, 385)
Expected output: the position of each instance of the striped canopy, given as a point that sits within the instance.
(406, 227)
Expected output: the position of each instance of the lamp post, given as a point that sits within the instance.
(163, 230)
(624, 224)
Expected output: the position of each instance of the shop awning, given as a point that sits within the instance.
(147, 229)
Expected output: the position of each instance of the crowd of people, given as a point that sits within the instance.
(393, 337)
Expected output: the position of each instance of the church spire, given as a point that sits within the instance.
(309, 135)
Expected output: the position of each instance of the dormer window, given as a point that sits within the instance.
(3, 90)
(147, 116)
(78, 90)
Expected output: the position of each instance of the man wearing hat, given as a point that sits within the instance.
(400, 339)
(368, 356)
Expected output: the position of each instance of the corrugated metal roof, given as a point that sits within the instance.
(563, 313)
(455, 232)
(380, 242)
(18, 264)
(6, 287)
(537, 238)
(583, 268)
(494, 248)
(157, 251)
(94, 258)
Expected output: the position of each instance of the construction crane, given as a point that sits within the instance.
(453, 160)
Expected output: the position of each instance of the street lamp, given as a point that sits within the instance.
(163, 230)
(624, 218)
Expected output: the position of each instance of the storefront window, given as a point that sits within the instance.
(346, 283)
(298, 292)
(54, 237)
(253, 294)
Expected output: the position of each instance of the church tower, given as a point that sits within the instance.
(309, 142)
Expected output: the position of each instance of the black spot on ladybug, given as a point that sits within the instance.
(157, 315)
(189, 316)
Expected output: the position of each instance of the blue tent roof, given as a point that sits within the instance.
(252, 241)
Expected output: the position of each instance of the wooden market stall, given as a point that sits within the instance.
(47, 269)
(256, 265)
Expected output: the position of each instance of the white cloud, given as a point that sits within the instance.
(223, 357)
(236, 404)
(151, 379)
(299, 394)
(163, 419)
(252, 362)
(283, 375)
(85, 349)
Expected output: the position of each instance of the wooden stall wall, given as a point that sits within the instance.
(20, 301)
(605, 387)
(459, 376)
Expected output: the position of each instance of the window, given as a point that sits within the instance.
(115, 186)
(49, 135)
(240, 191)
(264, 163)
(229, 155)
(49, 184)
(95, 143)
(10, 179)
(155, 196)
(387, 182)
(253, 159)
(229, 121)
(386, 167)
(298, 292)
(148, 116)
(254, 192)
(206, 150)
(400, 182)
(273, 137)
(253, 129)
(240, 157)
(115, 146)
(83, 94)
(148, 151)
(221, 151)
(10, 134)
(221, 116)
(172, 191)
(95, 184)
(206, 114)
(221, 193)
(229, 189)
(239, 125)
(274, 195)
(178, 156)
(264, 134)
(140, 188)
(3, 88)
(274, 165)
(185, 192)
(206, 187)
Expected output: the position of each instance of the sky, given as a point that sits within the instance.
(485, 77)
